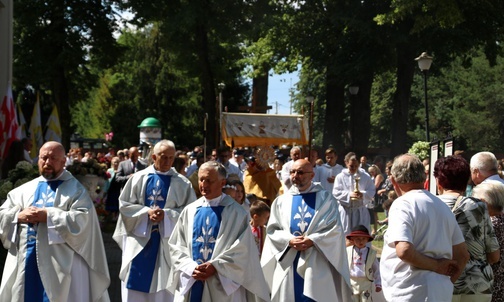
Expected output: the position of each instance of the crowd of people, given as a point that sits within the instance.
(240, 225)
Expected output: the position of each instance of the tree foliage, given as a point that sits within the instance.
(55, 44)
(179, 51)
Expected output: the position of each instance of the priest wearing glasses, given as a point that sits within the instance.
(304, 255)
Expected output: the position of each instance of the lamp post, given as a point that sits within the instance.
(354, 90)
(309, 100)
(221, 87)
(424, 63)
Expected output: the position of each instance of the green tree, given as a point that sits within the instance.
(147, 82)
(204, 38)
(55, 44)
(446, 29)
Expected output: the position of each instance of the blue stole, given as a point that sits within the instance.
(44, 197)
(205, 230)
(303, 210)
(143, 265)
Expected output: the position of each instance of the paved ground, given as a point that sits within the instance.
(114, 262)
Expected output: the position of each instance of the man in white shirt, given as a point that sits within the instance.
(238, 159)
(295, 154)
(223, 155)
(484, 168)
(328, 171)
(424, 249)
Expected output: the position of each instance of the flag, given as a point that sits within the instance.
(36, 129)
(22, 123)
(53, 127)
(8, 123)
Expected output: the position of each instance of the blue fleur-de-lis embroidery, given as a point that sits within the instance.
(47, 198)
(208, 241)
(156, 194)
(303, 215)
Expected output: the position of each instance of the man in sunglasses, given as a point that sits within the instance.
(304, 256)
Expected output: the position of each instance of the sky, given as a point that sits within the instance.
(278, 92)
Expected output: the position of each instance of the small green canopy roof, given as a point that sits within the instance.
(150, 122)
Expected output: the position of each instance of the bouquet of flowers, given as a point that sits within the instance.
(24, 172)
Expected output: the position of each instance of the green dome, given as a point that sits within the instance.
(150, 122)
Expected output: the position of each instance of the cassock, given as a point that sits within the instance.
(145, 266)
(353, 213)
(319, 273)
(61, 260)
(216, 231)
(324, 172)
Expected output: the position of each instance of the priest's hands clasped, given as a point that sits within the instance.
(204, 271)
(156, 214)
(32, 215)
(300, 243)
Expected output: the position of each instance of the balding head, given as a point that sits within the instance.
(51, 160)
(133, 154)
(301, 174)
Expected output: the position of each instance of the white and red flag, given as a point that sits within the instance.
(8, 123)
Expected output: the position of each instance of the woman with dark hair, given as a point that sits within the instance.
(476, 281)
(452, 174)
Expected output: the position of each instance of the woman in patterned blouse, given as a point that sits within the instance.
(493, 194)
(475, 283)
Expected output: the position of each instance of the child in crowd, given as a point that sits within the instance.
(229, 189)
(259, 213)
(392, 195)
(364, 266)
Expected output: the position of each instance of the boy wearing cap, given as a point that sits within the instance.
(364, 266)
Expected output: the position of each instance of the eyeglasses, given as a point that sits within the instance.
(299, 172)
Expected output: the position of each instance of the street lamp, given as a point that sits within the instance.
(354, 90)
(221, 87)
(309, 100)
(424, 62)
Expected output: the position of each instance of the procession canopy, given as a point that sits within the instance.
(247, 129)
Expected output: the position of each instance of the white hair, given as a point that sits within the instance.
(485, 162)
(295, 148)
(492, 193)
(161, 143)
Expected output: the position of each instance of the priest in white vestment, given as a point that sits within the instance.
(304, 256)
(51, 229)
(352, 203)
(212, 249)
(150, 204)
